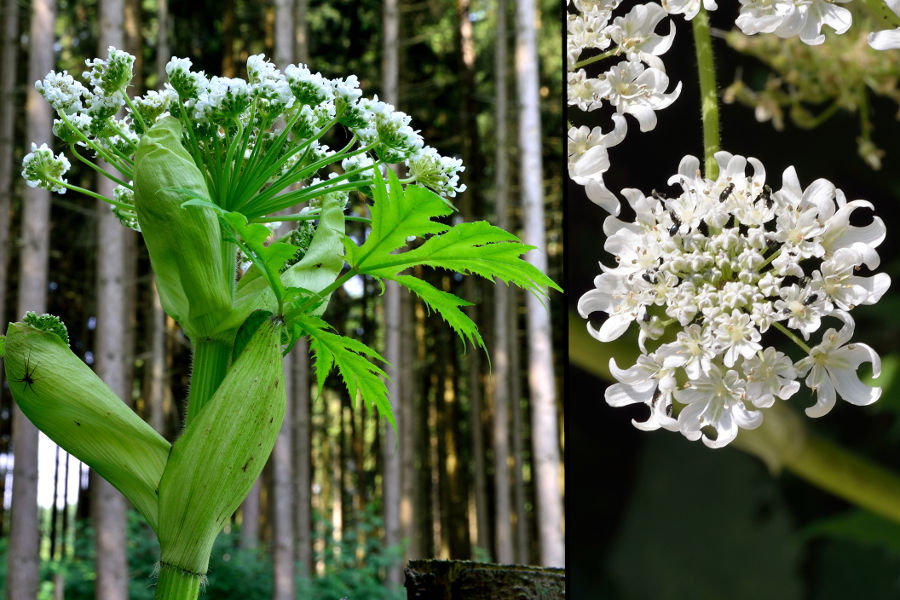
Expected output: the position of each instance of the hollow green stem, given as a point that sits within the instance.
(709, 106)
(177, 584)
(593, 59)
(134, 112)
(792, 336)
(86, 192)
(103, 172)
(303, 217)
(210, 365)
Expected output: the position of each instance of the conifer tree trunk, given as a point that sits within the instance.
(24, 532)
(518, 435)
(541, 382)
(163, 53)
(282, 468)
(469, 202)
(8, 81)
(392, 319)
(302, 464)
(500, 352)
(108, 506)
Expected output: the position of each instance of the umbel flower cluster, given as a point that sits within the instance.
(613, 64)
(253, 139)
(710, 275)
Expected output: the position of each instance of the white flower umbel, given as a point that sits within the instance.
(688, 8)
(707, 272)
(41, 168)
(789, 18)
(888, 39)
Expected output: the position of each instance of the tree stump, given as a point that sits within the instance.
(467, 580)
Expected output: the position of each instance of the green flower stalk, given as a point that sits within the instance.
(68, 402)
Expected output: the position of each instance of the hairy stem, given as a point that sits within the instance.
(177, 584)
(210, 365)
(709, 106)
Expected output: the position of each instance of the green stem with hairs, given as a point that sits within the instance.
(177, 584)
(709, 105)
(209, 368)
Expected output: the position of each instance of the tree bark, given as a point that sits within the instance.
(108, 505)
(501, 371)
(9, 50)
(162, 40)
(24, 533)
(283, 587)
(541, 381)
(518, 434)
(302, 465)
(301, 31)
(393, 319)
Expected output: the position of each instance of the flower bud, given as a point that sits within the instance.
(74, 408)
(184, 243)
(215, 462)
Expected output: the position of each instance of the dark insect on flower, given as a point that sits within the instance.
(648, 277)
(766, 195)
(646, 317)
(726, 192)
(812, 298)
(676, 223)
(28, 378)
(657, 195)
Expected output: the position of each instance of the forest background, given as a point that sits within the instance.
(322, 507)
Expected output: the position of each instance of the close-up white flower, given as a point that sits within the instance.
(633, 89)
(724, 262)
(789, 18)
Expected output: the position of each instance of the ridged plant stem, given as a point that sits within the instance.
(709, 106)
(177, 584)
(210, 365)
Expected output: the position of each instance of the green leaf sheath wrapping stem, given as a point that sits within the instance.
(221, 453)
(318, 269)
(74, 408)
(184, 243)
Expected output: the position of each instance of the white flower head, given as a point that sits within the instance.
(719, 264)
(789, 18)
(637, 91)
(41, 168)
(110, 77)
(187, 84)
(636, 36)
(62, 92)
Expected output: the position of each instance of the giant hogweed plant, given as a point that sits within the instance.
(718, 272)
(202, 167)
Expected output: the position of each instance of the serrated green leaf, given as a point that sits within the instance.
(353, 361)
(445, 304)
(397, 214)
